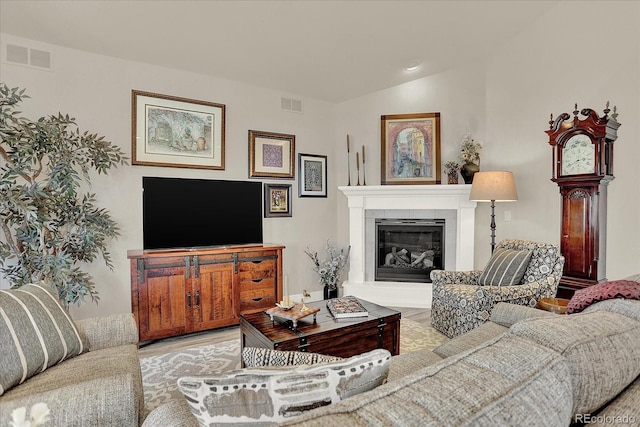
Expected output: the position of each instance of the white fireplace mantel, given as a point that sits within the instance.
(405, 198)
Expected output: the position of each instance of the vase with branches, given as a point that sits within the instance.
(331, 268)
(49, 226)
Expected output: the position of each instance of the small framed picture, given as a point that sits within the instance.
(271, 155)
(176, 132)
(277, 200)
(410, 149)
(312, 179)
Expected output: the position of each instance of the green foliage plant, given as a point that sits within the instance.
(49, 227)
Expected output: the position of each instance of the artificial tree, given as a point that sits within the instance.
(49, 225)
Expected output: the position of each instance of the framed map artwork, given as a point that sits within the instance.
(176, 132)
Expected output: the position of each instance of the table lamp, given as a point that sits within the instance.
(493, 186)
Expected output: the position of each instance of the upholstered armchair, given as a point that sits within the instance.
(463, 300)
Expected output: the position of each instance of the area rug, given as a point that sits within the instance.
(160, 373)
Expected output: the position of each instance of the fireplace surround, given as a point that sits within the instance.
(368, 203)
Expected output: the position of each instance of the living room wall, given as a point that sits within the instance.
(505, 101)
(96, 90)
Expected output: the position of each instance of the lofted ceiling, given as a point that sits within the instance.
(328, 50)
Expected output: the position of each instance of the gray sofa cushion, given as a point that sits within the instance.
(470, 339)
(408, 363)
(602, 348)
(627, 307)
(529, 385)
(624, 410)
(98, 388)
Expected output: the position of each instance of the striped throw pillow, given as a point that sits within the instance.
(506, 267)
(35, 334)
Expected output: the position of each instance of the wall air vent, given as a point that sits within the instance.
(289, 104)
(26, 56)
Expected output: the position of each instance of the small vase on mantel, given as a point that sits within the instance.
(468, 170)
(452, 177)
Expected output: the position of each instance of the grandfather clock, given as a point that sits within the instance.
(582, 166)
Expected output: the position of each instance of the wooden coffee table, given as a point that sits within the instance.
(325, 334)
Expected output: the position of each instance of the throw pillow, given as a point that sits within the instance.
(35, 334)
(278, 394)
(506, 267)
(254, 357)
(603, 291)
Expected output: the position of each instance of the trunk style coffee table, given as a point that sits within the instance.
(322, 333)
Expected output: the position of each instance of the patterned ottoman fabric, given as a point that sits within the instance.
(583, 298)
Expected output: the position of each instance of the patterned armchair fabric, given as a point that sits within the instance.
(460, 304)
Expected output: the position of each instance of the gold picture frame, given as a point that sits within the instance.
(271, 155)
(176, 132)
(410, 149)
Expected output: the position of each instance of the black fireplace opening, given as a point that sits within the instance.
(408, 250)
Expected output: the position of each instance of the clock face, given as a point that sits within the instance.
(578, 155)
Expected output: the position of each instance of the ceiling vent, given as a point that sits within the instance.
(30, 57)
(289, 104)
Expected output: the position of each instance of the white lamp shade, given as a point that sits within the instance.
(498, 186)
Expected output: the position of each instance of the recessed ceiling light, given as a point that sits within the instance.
(412, 66)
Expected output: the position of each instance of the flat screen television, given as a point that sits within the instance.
(195, 213)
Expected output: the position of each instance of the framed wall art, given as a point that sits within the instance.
(176, 132)
(277, 200)
(271, 155)
(312, 175)
(410, 149)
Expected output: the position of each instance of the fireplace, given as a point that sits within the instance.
(393, 202)
(408, 250)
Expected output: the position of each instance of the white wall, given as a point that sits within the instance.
(587, 54)
(96, 90)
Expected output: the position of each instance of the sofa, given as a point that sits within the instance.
(102, 386)
(524, 366)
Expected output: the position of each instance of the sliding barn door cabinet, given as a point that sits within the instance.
(182, 291)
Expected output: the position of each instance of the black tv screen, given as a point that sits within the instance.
(194, 213)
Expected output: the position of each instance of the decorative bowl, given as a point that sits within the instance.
(554, 305)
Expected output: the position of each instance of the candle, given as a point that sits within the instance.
(363, 155)
(286, 285)
(347, 143)
(357, 160)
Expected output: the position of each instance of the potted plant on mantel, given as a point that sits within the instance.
(48, 226)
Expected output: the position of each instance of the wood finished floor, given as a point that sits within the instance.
(167, 345)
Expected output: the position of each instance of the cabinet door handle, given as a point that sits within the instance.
(197, 298)
(188, 299)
